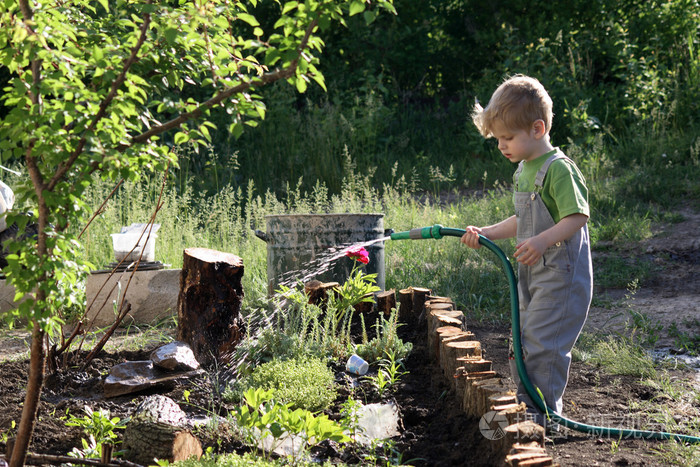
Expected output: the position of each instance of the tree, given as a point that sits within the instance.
(93, 87)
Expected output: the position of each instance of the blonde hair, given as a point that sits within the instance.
(518, 102)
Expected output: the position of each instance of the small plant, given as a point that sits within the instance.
(99, 427)
(392, 366)
(388, 375)
(385, 452)
(262, 417)
(5, 436)
(350, 413)
(358, 288)
(386, 341)
(615, 445)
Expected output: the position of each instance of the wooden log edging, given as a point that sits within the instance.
(479, 390)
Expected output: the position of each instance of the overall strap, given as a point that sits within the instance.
(518, 171)
(539, 178)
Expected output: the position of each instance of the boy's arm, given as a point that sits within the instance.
(531, 250)
(504, 229)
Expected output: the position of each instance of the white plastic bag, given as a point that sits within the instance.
(7, 200)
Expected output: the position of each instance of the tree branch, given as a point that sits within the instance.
(225, 94)
(64, 167)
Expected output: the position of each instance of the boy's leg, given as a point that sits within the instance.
(551, 320)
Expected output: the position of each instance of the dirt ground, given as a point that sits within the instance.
(435, 432)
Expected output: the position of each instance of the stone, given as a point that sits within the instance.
(130, 377)
(174, 356)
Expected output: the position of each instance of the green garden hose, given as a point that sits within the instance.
(436, 232)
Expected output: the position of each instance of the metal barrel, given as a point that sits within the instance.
(310, 246)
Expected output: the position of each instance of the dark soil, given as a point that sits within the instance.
(435, 432)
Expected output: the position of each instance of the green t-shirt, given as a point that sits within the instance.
(564, 190)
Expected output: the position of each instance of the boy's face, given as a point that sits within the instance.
(518, 145)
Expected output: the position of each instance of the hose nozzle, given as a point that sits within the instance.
(419, 233)
(436, 231)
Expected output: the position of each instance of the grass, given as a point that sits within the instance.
(617, 355)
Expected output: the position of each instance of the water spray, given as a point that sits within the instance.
(436, 232)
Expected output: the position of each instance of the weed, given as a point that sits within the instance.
(617, 355)
(350, 413)
(99, 427)
(388, 375)
(386, 341)
(618, 272)
(687, 341)
(7, 434)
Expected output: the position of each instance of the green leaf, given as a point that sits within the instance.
(170, 35)
(181, 138)
(356, 7)
(105, 4)
(248, 18)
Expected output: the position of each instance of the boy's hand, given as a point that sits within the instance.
(530, 251)
(471, 237)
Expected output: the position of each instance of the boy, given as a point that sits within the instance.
(555, 274)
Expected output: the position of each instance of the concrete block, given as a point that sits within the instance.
(7, 297)
(152, 294)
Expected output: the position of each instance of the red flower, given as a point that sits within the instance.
(358, 254)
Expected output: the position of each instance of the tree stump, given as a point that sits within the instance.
(452, 350)
(420, 294)
(524, 432)
(445, 334)
(386, 301)
(515, 413)
(318, 291)
(406, 305)
(158, 429)
(486, 391)
(528, 454)
(439, 318)
(471, 386)
(438, 299)
(472, 365)
(209, 304)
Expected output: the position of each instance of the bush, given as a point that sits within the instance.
(304, 382)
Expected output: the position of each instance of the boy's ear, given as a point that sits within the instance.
(539, 129)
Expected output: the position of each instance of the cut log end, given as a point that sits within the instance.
(207, 255)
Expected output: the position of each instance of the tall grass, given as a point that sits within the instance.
(225, 221)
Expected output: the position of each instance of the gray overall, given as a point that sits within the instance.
(554, 294)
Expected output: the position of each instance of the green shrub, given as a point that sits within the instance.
(304, 382)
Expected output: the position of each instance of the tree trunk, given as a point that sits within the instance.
(209, 304)
(31, 401)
